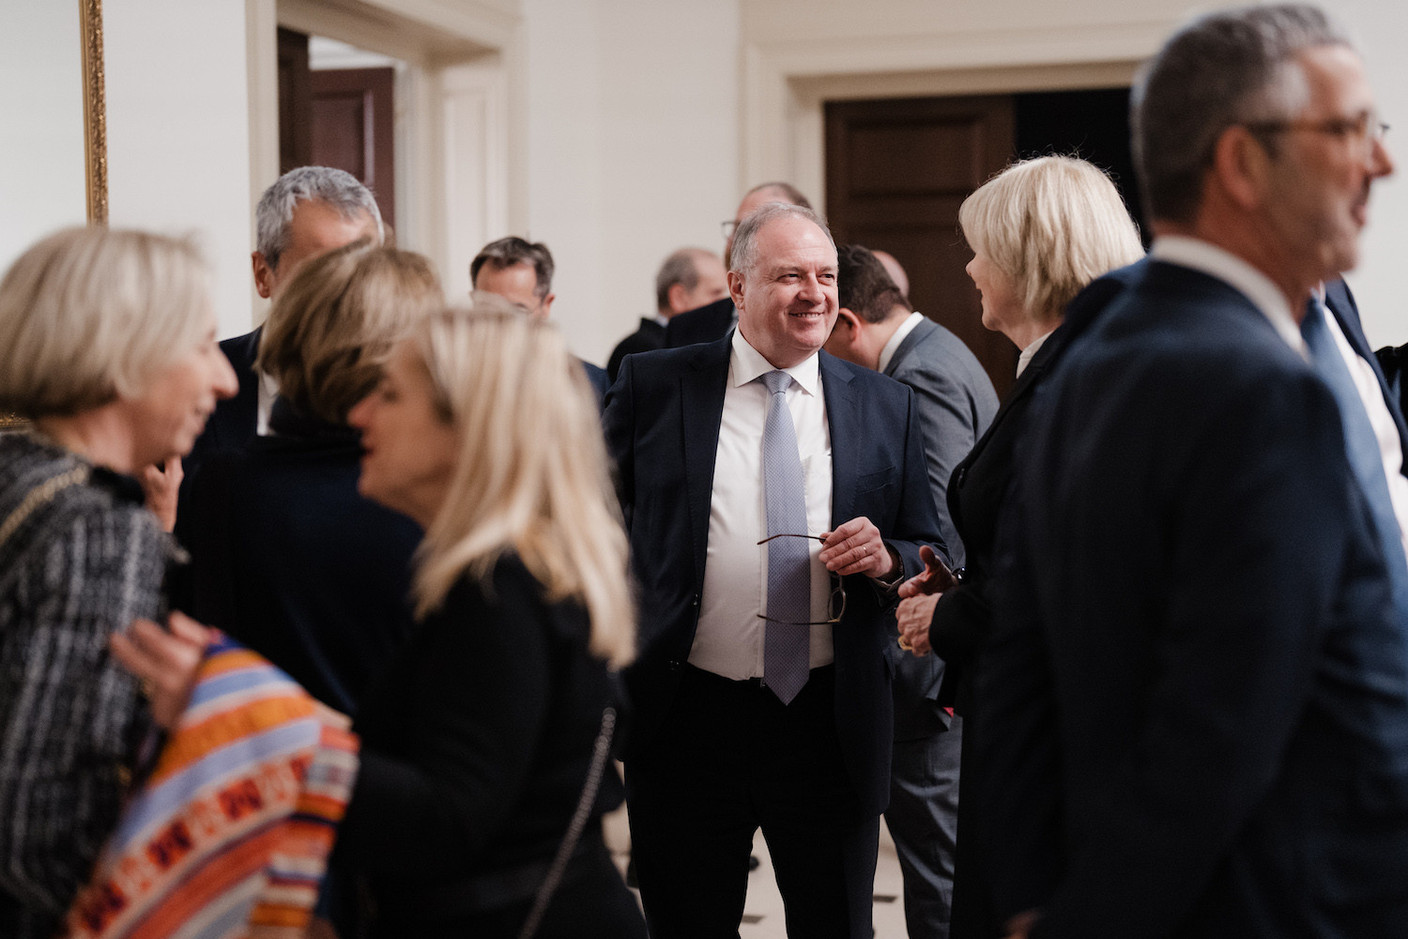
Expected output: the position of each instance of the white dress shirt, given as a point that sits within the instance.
(729, 638)
(1030, 352)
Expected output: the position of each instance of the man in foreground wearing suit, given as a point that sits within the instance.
(1199, 698)
(876, 329)
(773, 496)
(713, 320)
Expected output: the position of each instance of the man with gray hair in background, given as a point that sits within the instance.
(690, 278)
(1197, 685)
(307, 212)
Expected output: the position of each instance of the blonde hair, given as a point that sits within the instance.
(1052, 225)
(93, 314)
(531, 475)
(333, 326)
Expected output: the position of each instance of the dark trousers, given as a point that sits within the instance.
(923, 820)
(730, 759)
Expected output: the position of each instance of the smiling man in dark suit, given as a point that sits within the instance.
(1198, 697)
(762, 691)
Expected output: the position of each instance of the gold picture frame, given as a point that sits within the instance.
(95, 130)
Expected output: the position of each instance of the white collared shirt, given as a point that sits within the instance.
(893, 345)
(1030, 352)
(729, 639)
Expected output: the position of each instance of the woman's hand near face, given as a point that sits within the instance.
(165, 662)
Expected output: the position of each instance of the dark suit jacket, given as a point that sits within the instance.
(232, 425)
(956, 403)
(1195, 693)
(662, 428)
(702, 325)
(650, 336)
(978, 489)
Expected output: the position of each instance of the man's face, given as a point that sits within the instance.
(787, 302)
(316, 229)
(712, 284)
(516, 283)
(750, 204)
(1319, 183)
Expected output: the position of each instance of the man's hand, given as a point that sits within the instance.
(1021, 925)
(165, 662)
(161, 484)
(855, 547)
(913, 616)
(935, 578)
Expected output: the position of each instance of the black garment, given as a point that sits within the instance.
(702, 325)
(474, 752)
(289, 559)
(1393, 360)
(962, 619)
(650, 335)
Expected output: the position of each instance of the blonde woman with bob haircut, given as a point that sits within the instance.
(109, 349)
(477, 748)
(287, 557)
(1041, 230)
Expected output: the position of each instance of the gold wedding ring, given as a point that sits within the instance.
(904, 643)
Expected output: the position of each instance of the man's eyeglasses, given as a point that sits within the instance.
(1365, 130)
(836, 603)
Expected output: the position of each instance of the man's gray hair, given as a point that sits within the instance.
(679, 268)
(335, 188)
(1226, 68)
(745, 248)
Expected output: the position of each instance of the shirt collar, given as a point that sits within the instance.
(1227, 267)
(1030, 352)
(747, 364)
(893, 345)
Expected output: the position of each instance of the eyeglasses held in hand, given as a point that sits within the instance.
(836, 604)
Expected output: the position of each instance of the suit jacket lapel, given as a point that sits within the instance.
(702, 385)
(1339, 302)
(843, 421)
(908, 344)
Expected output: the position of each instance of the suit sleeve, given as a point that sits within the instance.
(916, 520)
(946, 420)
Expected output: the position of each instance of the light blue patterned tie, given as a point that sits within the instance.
(786, 637)
(1361, 446)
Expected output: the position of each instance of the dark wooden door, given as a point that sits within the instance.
(338, 117)
(896, 173)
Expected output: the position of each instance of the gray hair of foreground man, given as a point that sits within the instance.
(335, 188)
(1227, 68)
(91, 314)
(512, 250)
(745, 248)
(1052, 224)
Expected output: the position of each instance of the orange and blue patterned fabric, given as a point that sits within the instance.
(229, 835)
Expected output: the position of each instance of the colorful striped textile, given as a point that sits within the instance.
(229, 836)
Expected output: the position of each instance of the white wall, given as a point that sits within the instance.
(178, 132)
(797, 51)
(41, 108)
(632, 143)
